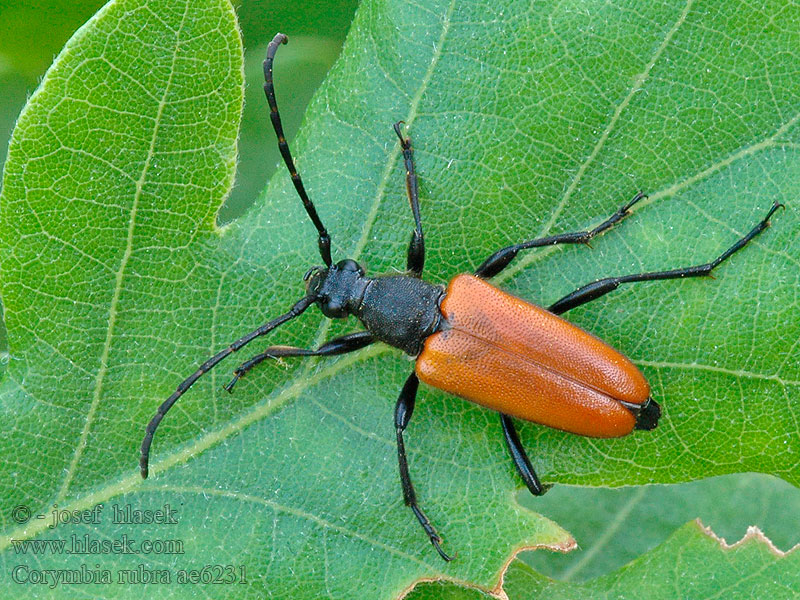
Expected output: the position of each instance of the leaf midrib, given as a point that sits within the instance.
(120, 274)
(291, 510)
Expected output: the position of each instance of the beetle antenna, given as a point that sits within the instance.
(324, 239)
(150, 431)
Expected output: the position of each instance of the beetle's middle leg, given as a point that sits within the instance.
(340, 345)
(402, 415)
(500, 259)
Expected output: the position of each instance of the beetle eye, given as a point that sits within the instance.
(332, 309)
(349, 265)
(312, 271)
(314, 278)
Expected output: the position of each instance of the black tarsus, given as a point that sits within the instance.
(324, 239)
(402, 415)
(500, 259)
(416, 247)
(340, 345)
(601, 287)
(150, 431)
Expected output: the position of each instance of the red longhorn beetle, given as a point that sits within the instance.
(471, 339)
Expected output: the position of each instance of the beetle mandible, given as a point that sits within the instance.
(470, 339)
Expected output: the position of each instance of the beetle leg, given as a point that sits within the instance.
(416, 248)
(520, 457)
(150, 430)
(340, 345)
(601, 287)
(500, 259)
(402, 415)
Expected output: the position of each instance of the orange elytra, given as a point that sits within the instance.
(523, 361)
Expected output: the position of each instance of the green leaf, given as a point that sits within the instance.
(701, 566)
(624, 523)
(526, 121)
(692, 563)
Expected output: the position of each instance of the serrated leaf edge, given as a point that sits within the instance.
(752, 535)
(497, 591)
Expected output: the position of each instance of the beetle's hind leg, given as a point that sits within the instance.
(601, 287)
(500, 259)
(520, 457)
(340, 345)
(402, 415)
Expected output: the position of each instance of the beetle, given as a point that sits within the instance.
(471, 339)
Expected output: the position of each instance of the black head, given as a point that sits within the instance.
(338, 289)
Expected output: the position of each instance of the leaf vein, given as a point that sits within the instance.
(323, 523)
(118, 279)
(637, 85)
(740, 373)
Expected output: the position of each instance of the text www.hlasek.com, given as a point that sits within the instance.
(85, 544)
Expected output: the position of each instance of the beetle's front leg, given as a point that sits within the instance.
(340, 345)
